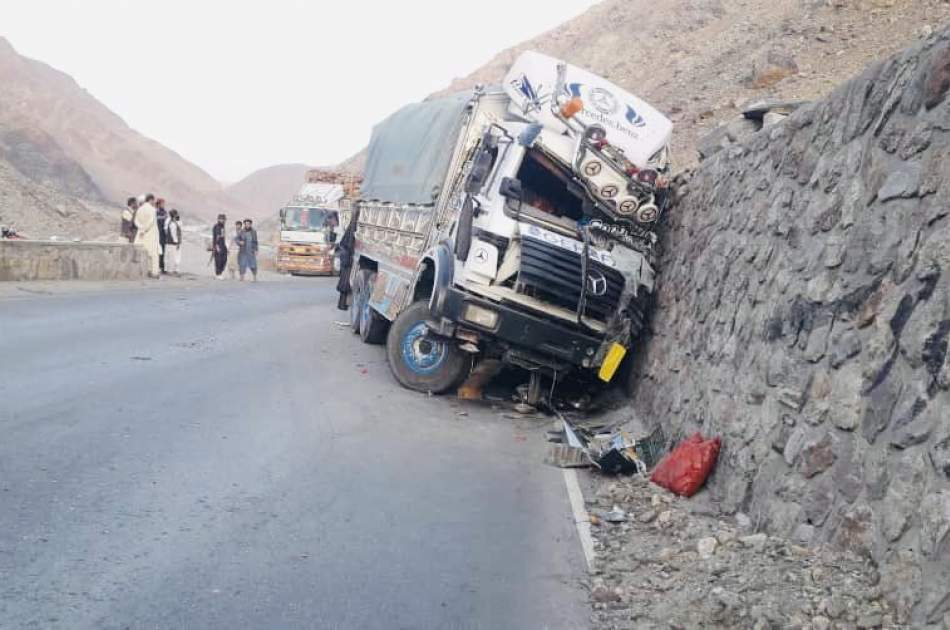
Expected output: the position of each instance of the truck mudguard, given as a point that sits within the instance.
(444, 261)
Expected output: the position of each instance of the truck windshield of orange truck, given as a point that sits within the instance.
(307, 218)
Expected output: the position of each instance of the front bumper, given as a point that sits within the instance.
(524, 332)
(321, 264)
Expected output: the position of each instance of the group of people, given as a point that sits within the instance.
(146, 222)
(241, 256)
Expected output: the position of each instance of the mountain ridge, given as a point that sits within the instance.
(82, 133)
(265, 190)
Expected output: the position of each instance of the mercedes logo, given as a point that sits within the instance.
(603, 100)
(596, 283)
(481, 256)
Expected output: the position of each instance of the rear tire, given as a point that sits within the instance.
(421, 361)
(356, 295)
(373, 327)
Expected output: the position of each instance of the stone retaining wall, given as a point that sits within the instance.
(804, 315)
(51, 260)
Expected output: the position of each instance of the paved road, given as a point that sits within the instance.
(218, 455)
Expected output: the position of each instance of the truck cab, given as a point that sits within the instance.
(309, 230)
(538, 248)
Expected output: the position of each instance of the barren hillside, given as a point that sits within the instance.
(56, 134)
(264, 191)
(699, 60)
(38, 210)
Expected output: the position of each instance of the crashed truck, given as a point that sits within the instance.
(515, 223)
(311, 222)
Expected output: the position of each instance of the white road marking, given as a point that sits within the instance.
(581, 518)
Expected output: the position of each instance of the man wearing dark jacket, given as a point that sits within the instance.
(219, 247)
(161, 216)
(345, 250)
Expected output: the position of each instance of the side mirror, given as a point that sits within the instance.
(283, 213)
(481, 167)
(510, 189)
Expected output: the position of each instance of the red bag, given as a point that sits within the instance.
(685, 469)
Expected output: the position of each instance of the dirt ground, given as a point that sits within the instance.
(673, 563)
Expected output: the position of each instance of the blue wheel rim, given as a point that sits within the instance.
(422, 354)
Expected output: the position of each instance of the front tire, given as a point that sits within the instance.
(420, 360)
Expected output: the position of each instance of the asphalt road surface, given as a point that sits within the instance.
(222, 455)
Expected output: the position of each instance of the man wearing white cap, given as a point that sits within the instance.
(147, 234)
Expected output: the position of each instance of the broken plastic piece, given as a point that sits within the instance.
(619, 455)
(615, 515)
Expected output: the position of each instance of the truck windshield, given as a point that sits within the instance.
(547, 191)
(308, 219)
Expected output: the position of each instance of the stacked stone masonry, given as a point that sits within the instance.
(804, 316)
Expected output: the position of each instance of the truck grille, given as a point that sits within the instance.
(553, 274)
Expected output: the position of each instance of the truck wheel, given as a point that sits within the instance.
(356, 295)
(373, 326)
(421, 361)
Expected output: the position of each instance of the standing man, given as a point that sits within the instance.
(247, 258)
(162, 217)
(173, 242)
(219, 247)
(146, 233)
(128, 218)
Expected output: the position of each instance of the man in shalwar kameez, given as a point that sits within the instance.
(147, 234)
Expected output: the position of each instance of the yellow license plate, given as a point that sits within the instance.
(611, 362)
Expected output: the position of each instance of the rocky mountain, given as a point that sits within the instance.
(700, 60)
(264, 191)
(804, 316)
(38, 210)
(57, 135)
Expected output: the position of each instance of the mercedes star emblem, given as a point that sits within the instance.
(596, 283)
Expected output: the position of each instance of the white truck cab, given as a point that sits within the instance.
(535, 245)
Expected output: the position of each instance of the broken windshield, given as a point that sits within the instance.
(308, 218)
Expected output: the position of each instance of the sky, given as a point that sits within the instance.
(238, 85)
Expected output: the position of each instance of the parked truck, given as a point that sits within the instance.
(311, 223)
(515, 223)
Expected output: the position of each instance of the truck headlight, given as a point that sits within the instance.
(484, 317)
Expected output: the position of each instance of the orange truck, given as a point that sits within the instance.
(311, 224)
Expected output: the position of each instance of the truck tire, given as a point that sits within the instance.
(420, 362)
(356, 294)
(373, 327)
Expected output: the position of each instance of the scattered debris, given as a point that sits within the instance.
(684, 568)
(615, 515)
(618, 454)
(563, 456)
(612, 452)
